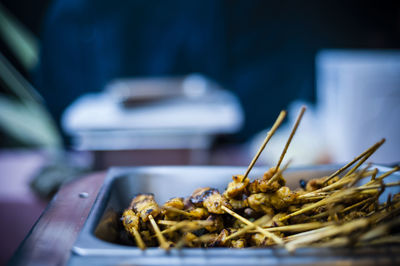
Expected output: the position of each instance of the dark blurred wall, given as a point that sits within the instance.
(262, 50)
(31, 15)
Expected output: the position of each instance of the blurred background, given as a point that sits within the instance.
(85, 85)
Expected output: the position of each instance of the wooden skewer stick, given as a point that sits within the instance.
(338, 196)
(382, 241)
(138, 238)
(373, 176)
(178, 211)
(338, 172)
(326, 213)
(275, 126)
(277, 239)
(395, 169)
(296, 125)
(380, 230)
(359, 175)
(191, 224)
(167, 222)
(277, 173)
(342, 229)
(337, 242)
(340, 183)
(297, 227)
(160, 237)
(262, 220)
(307, 233)
(393, 184)
(365, 157)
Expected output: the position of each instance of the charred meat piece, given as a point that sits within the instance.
(237, 187)
(176, 203)
(210, 199)
(287, 195)
(263, 184)
(259, 240)
(190, 240)
(314, 184)
(144, 205)
(130, 221)
(199, 195)
(220, 240)
(238, 204)
(217, 225)
(318, 183)
(198, 213)
(214, 202)
(240, 243)
(259, 203)
(279, 200)
(275, 221)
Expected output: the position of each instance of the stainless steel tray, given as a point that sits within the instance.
(98, 245)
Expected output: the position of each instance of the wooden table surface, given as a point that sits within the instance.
(52, 237)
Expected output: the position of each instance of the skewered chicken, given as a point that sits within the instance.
(145, 205)
(265, 212)
(210, 199)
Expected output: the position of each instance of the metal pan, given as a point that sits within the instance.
(100, 244)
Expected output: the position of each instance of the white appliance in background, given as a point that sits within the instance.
(358, 96)
(150, 114)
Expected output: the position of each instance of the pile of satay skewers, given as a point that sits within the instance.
(331, 211)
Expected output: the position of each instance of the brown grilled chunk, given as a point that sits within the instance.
(210, 199)
(261, 185)
(144, 205)
(237, 187)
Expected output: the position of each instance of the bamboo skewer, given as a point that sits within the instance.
(178, 211)
(392, 184)
(298, 227)
(275, 126)
(277, 239)
(138, 239)
(325, 216)
(341, 182)
(167, 222)
(307, 233)
(380, 230)
(388, 173)
(296, 125)
(277, 173)
(373, 176)
(372, 151)
(358, 176)
(160, 237)
(328, 232)
(247, 228)
(334, 198)
(190, 224)
(338, 172)
(382, 241)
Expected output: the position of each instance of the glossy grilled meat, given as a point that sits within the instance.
(176, 203)
(263, 185)
(130, 220)
(210, 199)
(144, 205)
(237, 187)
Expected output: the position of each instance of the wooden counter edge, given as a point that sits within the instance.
(50, 240)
